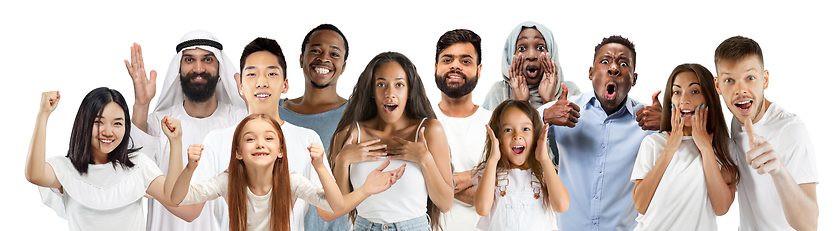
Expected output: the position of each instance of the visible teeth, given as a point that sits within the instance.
(686, 111)
(743, 102)
(262, 95)
(106, 141)
(518, 146)
(320, 70)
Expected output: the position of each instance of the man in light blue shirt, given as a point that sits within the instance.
(597, 142)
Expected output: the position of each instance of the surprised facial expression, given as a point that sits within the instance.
(530, 44)
(687, 96)
(390, 91)
(612, 75)
(742, 83)
(516, 137)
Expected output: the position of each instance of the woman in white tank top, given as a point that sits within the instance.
(389, 117)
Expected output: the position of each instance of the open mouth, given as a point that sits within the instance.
(744, 105)
(454, 76)
(106, 141)
(259, 154)
(686, 114)
(390, 108)
(532, 70)
(321, 70)
(518, 150)
(610, 91)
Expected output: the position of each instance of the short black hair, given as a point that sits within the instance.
(620, 40)
(326, 27)
(459, 36)
(737, 47)
(263, 44)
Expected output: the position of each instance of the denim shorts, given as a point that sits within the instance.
(416, 224)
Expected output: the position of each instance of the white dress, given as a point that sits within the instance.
(681, 201)
(259, 209)
(518, 209)
(107, 197)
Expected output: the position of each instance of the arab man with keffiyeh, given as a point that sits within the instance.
(199, 90)
(530, 68)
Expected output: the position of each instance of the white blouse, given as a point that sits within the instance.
(259, 208)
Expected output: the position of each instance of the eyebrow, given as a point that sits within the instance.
(331, 46)
(255, 67)
(690, 84)
(452, 56)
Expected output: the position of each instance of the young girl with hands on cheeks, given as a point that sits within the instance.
(523, 190)
(100, 181)
(258, 186)
(687, 166)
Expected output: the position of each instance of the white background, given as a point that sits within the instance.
(74, 47)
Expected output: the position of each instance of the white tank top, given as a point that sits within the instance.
(405, 200)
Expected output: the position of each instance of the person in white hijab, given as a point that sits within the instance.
(525, 62)
(209, 101)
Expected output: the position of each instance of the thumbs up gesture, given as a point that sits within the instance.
(761, 155)
(563, 112)
(650, 117)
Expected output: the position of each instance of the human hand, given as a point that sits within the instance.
(701, 136)
(194, 155)
(518, 85)
(761, 155)
(495, 154)
(370, 150)
(171, 128)
(650, 117)
(675, 136)
(409, 150)
(563, 112)
(549, 78)
(378, 180)
(541, 151)
(144, 88)
(49, 101)
(316, 152)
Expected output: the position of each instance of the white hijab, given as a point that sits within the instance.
(551, 46)
(226, 90)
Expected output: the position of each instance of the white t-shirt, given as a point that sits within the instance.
(156, 145)
(761, 208)
(215, 159)
(519, 209)
(466, 138)
(681, 201)
(107, 197)
(258, 207)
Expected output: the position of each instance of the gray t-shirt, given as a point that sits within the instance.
(323, 123)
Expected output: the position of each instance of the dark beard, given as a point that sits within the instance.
(199, 92)
(456, 92)
(319, 86)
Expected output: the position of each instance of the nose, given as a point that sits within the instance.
(741, 88)
(323, 57)
(262, 81)
(517, 135)
(105, 131)
(456, 66)
(613, 69)
(531, 55)
(199, 67)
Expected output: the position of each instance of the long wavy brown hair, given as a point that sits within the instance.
(281, 193)
(504, 163)
(715, 124)
(364, 108)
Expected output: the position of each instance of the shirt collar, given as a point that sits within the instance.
(592, 101)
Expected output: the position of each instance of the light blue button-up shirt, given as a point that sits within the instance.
(596, 158)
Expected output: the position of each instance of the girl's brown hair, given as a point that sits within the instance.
(504, 164)
(715, 125)
(281, 193)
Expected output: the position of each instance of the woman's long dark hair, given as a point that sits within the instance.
(715, 124)
(361, 107)
(80, 152)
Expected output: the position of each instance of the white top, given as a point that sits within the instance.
(156, 146)
(466, 138)
(259, 208)
(761, 208)
(405, 200)
(681, 201)
(215, 159)
(107, 197)
(518, 209)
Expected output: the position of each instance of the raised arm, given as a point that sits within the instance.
(645, 188)
(431, 152)
(346, 153)
(37, 171)
(485, 193)
(558, 195)
(144, 88)
(172, 129)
